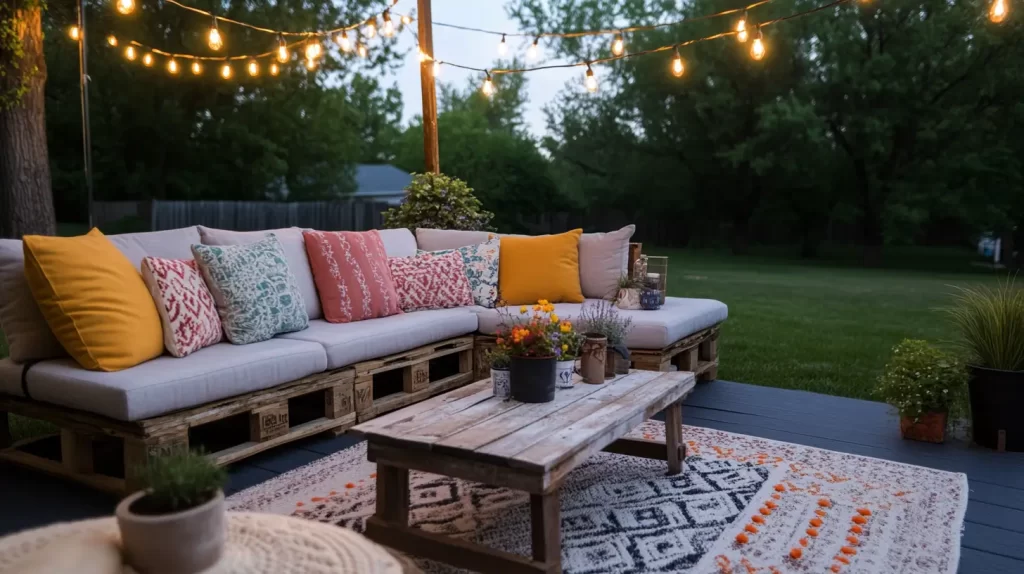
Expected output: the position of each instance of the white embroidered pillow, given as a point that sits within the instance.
(187, 311)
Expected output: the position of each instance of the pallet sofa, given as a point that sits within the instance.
(234, 401)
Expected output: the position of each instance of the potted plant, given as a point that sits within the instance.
(531, 342)
(177, 524)
(439, 201)
(925, 384)
(628, 296)
(568, 343)
(500, 362)
(991, 325)
(601, 318)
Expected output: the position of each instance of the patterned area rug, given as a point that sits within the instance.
(742, 504)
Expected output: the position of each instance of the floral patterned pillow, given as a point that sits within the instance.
(256, 294)
(481, 263)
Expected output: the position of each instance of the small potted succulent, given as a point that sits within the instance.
(568, 343)
(601, 318)
(926, 384)
(177, 524)
(500, 362)
(531, 341)
(991, 325)
(628, 297)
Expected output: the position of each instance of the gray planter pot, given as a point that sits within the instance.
(180, 543)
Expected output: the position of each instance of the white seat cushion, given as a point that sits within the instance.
(167, 384)
(348, 343)
(676, 319)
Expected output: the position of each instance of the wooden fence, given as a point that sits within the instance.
(353, 215)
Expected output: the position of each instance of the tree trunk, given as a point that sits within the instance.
(26, 199)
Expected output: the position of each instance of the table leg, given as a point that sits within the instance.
(393, 494)
(546, 529)
(674, 437)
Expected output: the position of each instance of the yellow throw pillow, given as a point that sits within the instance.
(94, 300)
(542, 267)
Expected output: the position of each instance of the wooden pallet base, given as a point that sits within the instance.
(109, 455)
(399, 380)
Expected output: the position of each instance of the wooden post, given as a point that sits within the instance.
(430, 151)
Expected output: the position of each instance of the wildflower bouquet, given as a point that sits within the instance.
(540, 333)
(920, 378)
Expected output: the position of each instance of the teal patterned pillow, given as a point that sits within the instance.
(257, 296)
(481, 269)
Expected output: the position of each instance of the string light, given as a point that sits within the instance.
(371, 28)
(757, 49)
(74, 33)
(362, 51)
(226, 71)
(313, 49)
(310, 64)
(253, 68)
(741, 28)
(112, 41)
(618, 45)
(590, 81)
(197, 68)
(282, 50)
(502, 46)
(406, 19)
(533, 52)
(1000, 9)
(147, 59)
(488, 87)
(423, 56)
(437, 68)
(126, 6)
(172, 66)
(129, 53)
(677, 64)
(274, 70)
(388, 30)
(344, 42)
(214, 38)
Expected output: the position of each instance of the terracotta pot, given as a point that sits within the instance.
(178, 543)
(533, 379)
(501, 381)
(593, 359)
(929, 427)
(996, 397)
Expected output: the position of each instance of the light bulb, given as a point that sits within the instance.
(197, 68)
(344, 42)
(757, 49)
(618, 45)
(362, 51)
(371, 28)
(253, 68)
(423, 56)
(590, 82)
(388, 30)
(112, 40)
(488, 87)
(147, 59)
(172, 66)
(274, 70)
(741, 30)
(677, 65)
(282, 51)
(437, 68)
(126, 6)
(406, 19)
(313, 50)
(533, 52)
(74, 33)
(310, 64)
(999, 11)
(502, 46)
(129, 53)
(214, 39)
(225, 71)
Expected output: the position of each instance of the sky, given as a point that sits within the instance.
(473, 49)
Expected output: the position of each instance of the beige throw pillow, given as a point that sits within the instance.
(603, 259)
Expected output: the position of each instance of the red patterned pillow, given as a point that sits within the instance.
(187, 311)
(431, 281)
(350, 270)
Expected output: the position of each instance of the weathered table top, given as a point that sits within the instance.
(470, 424)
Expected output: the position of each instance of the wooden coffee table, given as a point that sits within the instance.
(468, 433)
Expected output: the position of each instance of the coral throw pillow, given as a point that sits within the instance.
(186, 307)
(431, 281)
(351, 273)
(542, 267)
(94, 300)
(481, 262)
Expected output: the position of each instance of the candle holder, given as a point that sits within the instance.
(656, 276)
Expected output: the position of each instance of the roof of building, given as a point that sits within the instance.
(380, 179)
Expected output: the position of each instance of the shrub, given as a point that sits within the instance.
(991, 324)
(181, 481)
(921, 378)
(437, 201)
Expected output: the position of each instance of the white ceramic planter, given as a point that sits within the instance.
(564, 371)
(502, 381)
(180, 543)
(628, 299)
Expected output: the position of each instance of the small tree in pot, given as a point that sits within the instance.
(926, 384)
(177, 524)
(437, 201)
(991, 325)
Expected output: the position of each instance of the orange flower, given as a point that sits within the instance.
(856, 529)
(780, 488)
(848, 550)
(796, 553)
(812, 532)
(821, 513)
(765, 511)
(742, 538)
(750, 528)
(777, 496)
(757, 519)
(349, 485)
(815, 522)
(853, 540)
(859, 519)
(771, 505)
(824, 502)
(864, 511)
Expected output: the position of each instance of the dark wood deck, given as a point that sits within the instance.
(993, 538)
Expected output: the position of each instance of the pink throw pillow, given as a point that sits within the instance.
(351, 273)
(187, 311)
(431, 281)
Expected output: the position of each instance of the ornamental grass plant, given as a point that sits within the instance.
(178, 482)
(991, 325)
(920, 378)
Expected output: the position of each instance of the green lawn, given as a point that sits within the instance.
(824, 327)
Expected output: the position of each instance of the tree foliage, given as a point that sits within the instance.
(437, 201)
